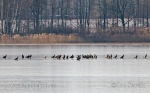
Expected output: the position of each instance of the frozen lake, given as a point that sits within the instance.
(101, 75)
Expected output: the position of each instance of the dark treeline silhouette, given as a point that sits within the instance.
(26, 17)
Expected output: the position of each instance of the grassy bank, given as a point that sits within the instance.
(39, 39)
(142, 34)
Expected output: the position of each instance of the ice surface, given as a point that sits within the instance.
(101, 75)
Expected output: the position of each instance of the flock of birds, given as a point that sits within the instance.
(28, 57)
(78, 57)
(122, 57)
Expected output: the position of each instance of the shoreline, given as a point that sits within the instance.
(106, 43)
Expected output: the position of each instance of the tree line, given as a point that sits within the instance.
(53, 16)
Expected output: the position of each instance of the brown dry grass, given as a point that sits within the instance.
(142, 34)
(39, 39)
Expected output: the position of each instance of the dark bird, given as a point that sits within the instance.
(64, 57)
(107, 56)
(111, 56)
(45, 57)
(145, 56)
(5, 56)
(95, 56)
(136, 57)
(29, 56)
(53, 56)
(71, 56)
(115, 56)
(67, 57)
(58, 56)
(78, 57)
(16, 59)
(22, 56)
(122, 57)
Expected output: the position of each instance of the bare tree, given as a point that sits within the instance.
(37, 8)
(2, 16)
(147, 12)
(123, 6)
(52, 13)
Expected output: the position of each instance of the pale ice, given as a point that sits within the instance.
(101, 75)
